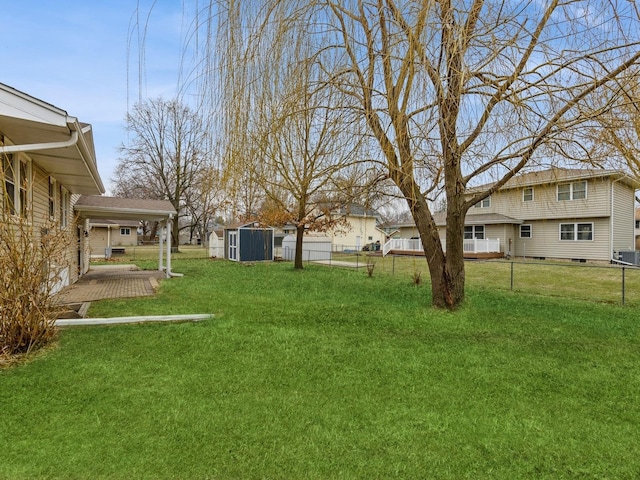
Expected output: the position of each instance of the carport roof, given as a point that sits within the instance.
(93, 206)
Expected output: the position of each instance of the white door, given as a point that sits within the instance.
(233, 245)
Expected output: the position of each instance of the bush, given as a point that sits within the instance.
(31, 268)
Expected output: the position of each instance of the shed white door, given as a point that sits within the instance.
(233, 246)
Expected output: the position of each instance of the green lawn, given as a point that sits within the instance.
(327, 373)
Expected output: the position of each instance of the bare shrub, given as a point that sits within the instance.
(370, 266)
(32, 266)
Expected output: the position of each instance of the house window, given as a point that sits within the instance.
(576, 231)
(637, 223)
(64, 207)
(484, 203)
(125, 232)
(572, 191)
(52, 198)
(474, 231)
(17, 181)
(527, 194)
(9, 184)
(525, 231)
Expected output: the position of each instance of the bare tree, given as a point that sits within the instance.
(165, 154)
(453, 95)
(204, 200)
(292, 141)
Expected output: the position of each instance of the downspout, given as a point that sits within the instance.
(613, 259)
(169, 230)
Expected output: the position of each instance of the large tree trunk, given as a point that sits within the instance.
(445, 271)
(297, 264)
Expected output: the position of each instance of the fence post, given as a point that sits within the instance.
(511, 275)
(623, 285)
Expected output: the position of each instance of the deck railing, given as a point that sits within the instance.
(473, 245)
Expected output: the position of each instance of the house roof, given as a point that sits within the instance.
(556, 175)
(93, 206)
(103, 222)
(55, 141)
(477, 219)
(356, 211)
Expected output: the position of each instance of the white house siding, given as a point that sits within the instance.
(504, 232)
(39, 197)
(346, 237)
(119, 240)
(545, 202)
(98, 241)
(545, 241)
(623, 217)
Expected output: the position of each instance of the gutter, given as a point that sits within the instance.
(34, 147)
(74, 139)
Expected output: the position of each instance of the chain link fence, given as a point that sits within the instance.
(614, 284)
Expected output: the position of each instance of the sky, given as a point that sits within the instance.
(75, 55)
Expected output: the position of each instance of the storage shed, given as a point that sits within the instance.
(216, 243)
(248, 242)
(313, 248)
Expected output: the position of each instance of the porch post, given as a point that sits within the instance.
(169, 225)
(160, 238)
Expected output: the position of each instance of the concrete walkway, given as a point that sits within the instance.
(71, 322)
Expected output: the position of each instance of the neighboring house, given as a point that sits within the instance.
(105, 235)
(48, 159)
(359, 231)
(577, 214)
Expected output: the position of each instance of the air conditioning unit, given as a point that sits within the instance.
(629, 256)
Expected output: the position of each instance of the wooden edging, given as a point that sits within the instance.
(142, 319)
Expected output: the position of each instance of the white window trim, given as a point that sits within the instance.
(473, 232)
(64, 207)
(480, 204)
(16, 163)
(126, 230)
(53, 203)
(530, 230)
(532, 194)
(571, 192)
(575, 232)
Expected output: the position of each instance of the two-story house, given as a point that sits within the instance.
(577, 214)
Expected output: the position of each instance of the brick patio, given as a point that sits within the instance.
(111, 281)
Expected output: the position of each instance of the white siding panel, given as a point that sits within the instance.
(545, 241)
(623, 217)
(545, 204)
